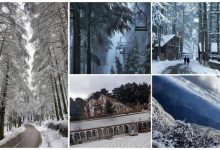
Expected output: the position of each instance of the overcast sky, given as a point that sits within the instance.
(82, 86)
(207, 82)
(211, 82)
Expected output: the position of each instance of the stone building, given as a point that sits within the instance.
(96, 107)
(97, 129)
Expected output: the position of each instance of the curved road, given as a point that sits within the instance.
(178, 69)
(30, 138)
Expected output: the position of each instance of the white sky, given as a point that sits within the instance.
(83, 86)
(29, 46)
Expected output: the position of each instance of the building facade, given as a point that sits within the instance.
(96, 107)
(91, 130)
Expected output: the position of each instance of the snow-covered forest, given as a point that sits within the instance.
(186, 30)
(33, 70)
(115, 38)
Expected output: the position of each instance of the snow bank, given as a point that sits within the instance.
(159, 66)
(214, 61)
(61, 126)
(196, 67)
(51, 138)
(143, 140)
(11, 134)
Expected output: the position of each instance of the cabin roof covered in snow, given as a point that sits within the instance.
(165, 39)
(97, 123)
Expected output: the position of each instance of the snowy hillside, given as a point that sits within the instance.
(168, 132)
(161, 118)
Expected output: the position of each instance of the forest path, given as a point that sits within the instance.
(30, 138)
(178, 69)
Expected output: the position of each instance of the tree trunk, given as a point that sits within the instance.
(2, 44)
(218, 48)
(76, 39)
(210, 27)
(205, 33)
(61, 88)
(89, 63)
(3, 97)
(200, 31)
(54, 97)
(64, 88)
(58, 99)
(62, 94)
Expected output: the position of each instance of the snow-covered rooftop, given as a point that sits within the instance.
(90, 124)
(165, 39)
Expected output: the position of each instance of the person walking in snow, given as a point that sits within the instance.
(184, 60)
(187, 59)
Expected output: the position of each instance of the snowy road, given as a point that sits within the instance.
(143, 140)
(178, 69)
(30, 138)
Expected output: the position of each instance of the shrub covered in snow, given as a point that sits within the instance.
(62, 127)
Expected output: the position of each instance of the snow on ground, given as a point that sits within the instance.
(11, 134)
(214, 61)
(143, 140)
(51, 138)
(196, 67)
(110, 121)
(159, 66)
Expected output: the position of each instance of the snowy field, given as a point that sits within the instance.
(51, 138)
(143, 140)
(159, 66)
(11, 134)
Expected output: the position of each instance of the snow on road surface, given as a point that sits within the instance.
(160, 66)
(11, 134)
(51, 138)
(143, 140)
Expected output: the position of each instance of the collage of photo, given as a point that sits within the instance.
(109, 75)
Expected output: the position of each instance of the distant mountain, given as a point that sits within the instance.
(185, 103)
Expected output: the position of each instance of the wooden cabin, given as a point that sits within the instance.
(169, 48)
